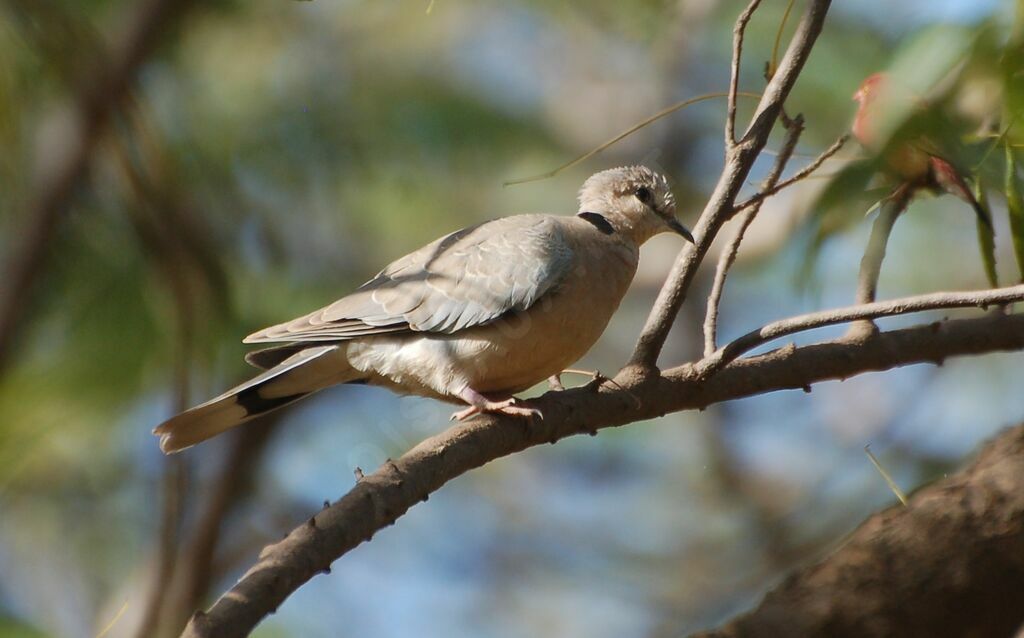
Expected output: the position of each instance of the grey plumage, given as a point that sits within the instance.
(471, 277)
(473, 317)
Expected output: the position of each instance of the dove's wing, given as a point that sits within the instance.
(468, 278)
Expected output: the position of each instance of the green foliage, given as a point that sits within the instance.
(958, 104)
(1015, 207)
(986, 237)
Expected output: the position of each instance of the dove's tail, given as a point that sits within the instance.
(301, 371)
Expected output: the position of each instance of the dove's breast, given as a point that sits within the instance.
(516, 351)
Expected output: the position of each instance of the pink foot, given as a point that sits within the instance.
(479, 404)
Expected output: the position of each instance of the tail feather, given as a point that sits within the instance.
(267, 358)
(297, 376)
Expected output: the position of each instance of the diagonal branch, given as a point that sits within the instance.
(739, 160)
(728, 256)
(380, 498)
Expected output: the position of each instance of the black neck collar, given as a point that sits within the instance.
(598, 221)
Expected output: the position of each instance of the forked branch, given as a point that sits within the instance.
(739, 160)
(728, 256)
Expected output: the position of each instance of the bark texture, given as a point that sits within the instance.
(949, 564)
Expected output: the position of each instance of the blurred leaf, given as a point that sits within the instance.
(12, 628)
(1015, 207)
(986, 237)
(928, 58)
(843, 202)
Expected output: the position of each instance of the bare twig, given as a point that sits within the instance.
(813, 320)
(802, 174)
(739, 160)
(734, 79)
(383, 496)
(728, 256)
(54, 187)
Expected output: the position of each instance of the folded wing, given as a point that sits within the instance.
(468, 278)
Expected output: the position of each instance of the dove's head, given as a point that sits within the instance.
(635, 201)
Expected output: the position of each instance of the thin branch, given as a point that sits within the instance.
(802, 174)
(728, 256)
(951, 563)
(734, 79)
(875, 310)
(380, 498)
(719, 208)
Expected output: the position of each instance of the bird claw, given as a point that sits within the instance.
(509, 407)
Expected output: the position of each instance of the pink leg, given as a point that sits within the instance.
(479, 404)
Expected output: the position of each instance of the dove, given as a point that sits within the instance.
(472, 318)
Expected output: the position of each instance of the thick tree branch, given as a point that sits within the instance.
(739, 160)
(728, 256)
(381, 497)
(949, 564)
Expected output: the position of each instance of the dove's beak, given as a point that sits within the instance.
(679, 229)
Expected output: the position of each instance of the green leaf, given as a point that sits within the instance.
(1015, 207)
(986, 237)
(843, 202)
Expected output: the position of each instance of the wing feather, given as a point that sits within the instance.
(468, 278)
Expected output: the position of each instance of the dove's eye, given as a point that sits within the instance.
(644, 195)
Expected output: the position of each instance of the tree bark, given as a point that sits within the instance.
(951, 563)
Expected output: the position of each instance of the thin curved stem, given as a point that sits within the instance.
(802, 174)
(875, 310)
